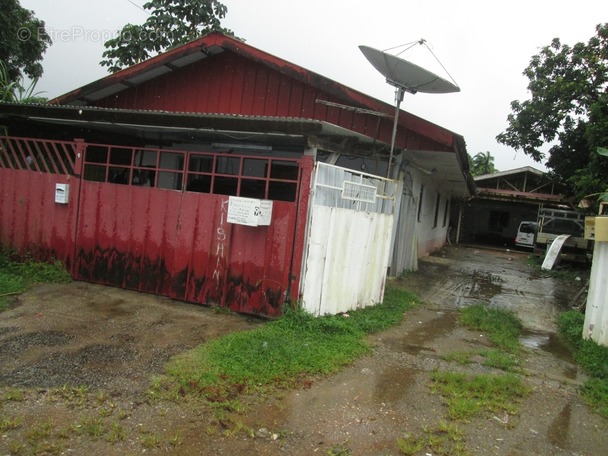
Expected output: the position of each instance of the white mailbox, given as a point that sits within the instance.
(62, 193)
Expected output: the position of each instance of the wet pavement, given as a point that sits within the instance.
(367, 406)
(362, 410)
(506, 279)
(500, 278)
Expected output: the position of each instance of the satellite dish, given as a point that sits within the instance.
(404, 74)
(405, 77)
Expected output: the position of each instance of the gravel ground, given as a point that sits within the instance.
(61, 337)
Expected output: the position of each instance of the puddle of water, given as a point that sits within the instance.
(424, 334)
(393, 383)
(551, 343)
(560, 427)
(534, 340)
(547, 342)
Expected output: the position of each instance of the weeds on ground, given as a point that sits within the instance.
(592, 357)
(467, 396)
(280, 353)
(17, 277)
(7, 423)
(445, 438)
(503, 329)
(502, 326)
(497, 359)
(339, 450)
(567, 271)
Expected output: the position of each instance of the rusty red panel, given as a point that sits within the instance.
(125, 236)
(159, 93)
(160, 242)
(271, 100)
(237, 88)
(284, 97)
(30, 220)
(247, 99)
(307, 164)
(170, 242)
(260, 260)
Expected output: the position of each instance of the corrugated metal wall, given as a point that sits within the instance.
(30, 220)
(349, 240)
(405, 252)
(156, 239)
(231, 84)
(596, 311)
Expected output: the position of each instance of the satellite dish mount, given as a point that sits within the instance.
(405, 77)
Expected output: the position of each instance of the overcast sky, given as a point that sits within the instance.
(483, 45)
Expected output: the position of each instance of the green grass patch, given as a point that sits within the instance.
(592, 357)
(281, 352)
(497, 359)
(17, 277)
(459, 357)
(502, 326)
(467, 396)
(443, 439)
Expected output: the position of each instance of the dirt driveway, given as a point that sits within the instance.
(112, 341)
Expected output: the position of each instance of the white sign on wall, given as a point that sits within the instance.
(249, 211)
(265, 213)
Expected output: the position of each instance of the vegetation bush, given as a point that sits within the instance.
(592, 357)
(17, 276)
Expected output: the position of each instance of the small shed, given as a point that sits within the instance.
(216, 173)
(503, 200)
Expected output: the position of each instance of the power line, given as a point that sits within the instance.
(137, 6)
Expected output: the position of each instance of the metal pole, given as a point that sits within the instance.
(399, 92)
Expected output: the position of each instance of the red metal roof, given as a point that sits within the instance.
(171, 82)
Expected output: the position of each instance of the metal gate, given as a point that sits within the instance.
(349, 240)
(155, 220)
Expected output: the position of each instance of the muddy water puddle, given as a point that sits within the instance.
(420, 338)
(393, 383)
(551, 343)
(560, 427)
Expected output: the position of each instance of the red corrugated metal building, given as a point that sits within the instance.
(129, 179)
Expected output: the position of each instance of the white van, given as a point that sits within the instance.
(526, 234)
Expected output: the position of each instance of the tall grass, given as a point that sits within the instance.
(282, 351)
(592, 357)
(468, 395)
(16, 277)
(502, 326)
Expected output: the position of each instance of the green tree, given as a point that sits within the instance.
(482, 163)
(23, 41)
(170, 24)
(15, 91)
(567, 112)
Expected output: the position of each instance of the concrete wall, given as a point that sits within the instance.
(596, 313)
(432, 220)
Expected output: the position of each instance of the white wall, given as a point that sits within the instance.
(430, 238)
(596, 312)
(416, 237)
(346, 260)
(348, 240)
